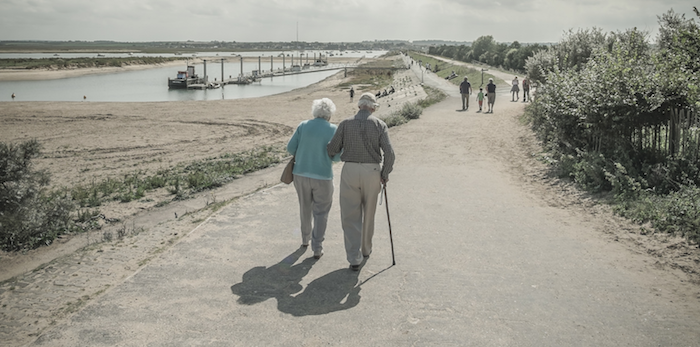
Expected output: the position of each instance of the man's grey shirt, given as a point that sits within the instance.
(362, 139)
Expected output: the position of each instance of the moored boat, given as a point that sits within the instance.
(184, 79)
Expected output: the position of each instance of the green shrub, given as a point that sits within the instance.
(677, 212)
(395, 119)
(29, 216)
(434, 96)
(411, 110)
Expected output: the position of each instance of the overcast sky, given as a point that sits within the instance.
(324, 20)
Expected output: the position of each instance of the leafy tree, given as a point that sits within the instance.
(572, 52)
(540, 64)
(483, 45)
(679, 59)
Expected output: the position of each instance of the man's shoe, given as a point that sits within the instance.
(318, 255)
(355, 267)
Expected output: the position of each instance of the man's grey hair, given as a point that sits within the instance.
(367, 101)
(323, 108)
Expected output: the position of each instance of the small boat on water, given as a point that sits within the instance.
(184, 79)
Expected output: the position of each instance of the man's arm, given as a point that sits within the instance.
(336, 144)
(389, 156)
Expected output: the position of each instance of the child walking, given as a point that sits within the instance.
(480, 98)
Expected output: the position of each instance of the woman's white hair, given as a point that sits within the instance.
(323, 108)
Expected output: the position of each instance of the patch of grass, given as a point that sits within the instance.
(407, 112)
(676, 213)
(374, 75)
(180, 181)
(434, 96)
(65, 210)
(394, 119)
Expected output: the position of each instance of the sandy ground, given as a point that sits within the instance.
(448, 147)
(86, 142)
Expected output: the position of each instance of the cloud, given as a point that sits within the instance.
(324, 20)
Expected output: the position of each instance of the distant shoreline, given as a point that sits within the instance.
(46, 74)
(7, 75)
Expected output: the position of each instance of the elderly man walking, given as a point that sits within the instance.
(362, 139)
(465, 88)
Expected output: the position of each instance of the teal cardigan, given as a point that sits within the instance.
(308, 144)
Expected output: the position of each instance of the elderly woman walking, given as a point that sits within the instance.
(362, 139)
(313, 173)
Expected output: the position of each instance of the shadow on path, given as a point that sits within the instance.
(335, 291)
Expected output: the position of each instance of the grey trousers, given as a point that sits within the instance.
(465, 101)
(315, 200)
(360, 185)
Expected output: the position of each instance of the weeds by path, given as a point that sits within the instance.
(44, 215)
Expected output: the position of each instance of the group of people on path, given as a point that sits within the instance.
(465, 89)
(362, 143)
(515, 89)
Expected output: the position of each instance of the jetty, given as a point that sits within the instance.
(189, 80)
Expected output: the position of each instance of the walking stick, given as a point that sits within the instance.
(391, 238)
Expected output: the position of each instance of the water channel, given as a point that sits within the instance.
(151, 84)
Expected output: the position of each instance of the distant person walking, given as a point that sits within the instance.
(480, 98)
(352, 94)
(515, 90)
(362, 139)
(526, 89)
(465, 88)
(313, 173)
(491, 94)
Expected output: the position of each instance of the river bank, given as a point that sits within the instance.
(50, 74)
(53, 74)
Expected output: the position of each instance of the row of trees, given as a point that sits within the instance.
(486, 50)
(608, 108)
